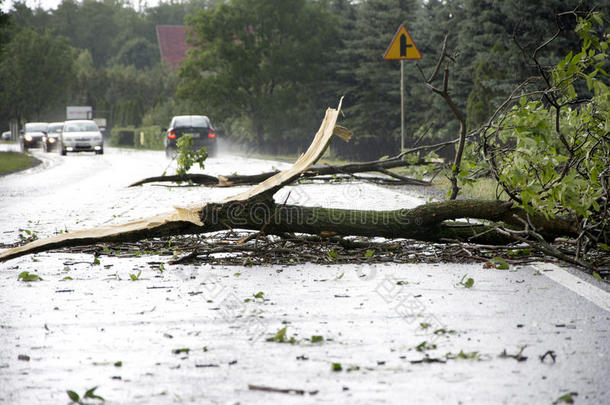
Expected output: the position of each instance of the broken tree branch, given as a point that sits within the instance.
(424, 223)
(315, 171)
(444, 93)
(255, 209)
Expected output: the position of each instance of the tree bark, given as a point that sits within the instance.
(240, 180)
(423, 223)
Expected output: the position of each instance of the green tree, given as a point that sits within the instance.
(36, 71)
(132, 92)
(262, 60)
(518, 27)
(23, 16)
(373, 102)
(487, 92)
(138, 52)
(429, 113)
(91, 83)
(97, 30)
(550, 153)
(5, 22)
(174, 12)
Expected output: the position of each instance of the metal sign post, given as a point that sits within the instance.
(402, 105)
(402, 48)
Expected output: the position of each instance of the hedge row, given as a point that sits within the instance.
(142, 138)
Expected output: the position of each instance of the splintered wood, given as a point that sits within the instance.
(187, 219)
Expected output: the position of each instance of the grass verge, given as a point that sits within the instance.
(484, 188)
(14, 161)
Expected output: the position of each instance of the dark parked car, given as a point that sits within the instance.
(32, 133)
(51, 140)
(198, 126)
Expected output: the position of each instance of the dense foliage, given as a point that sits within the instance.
(262, 62)
(551, 152)
(109, 59)
(265, 70)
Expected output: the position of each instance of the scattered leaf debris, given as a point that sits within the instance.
(518, 356)
(551, 354)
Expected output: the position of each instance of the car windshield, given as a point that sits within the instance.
(55, 128)
(80, 127)
(36, 127)
(196, 121)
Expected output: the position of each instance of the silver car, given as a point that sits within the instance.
(81, 135)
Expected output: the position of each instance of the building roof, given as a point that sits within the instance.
(172, 44)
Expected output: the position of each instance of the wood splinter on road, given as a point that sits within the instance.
(255, 209)
(280, 390)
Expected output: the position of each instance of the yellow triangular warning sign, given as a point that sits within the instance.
(402, 47)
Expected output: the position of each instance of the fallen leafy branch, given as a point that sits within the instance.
(255, 209)
(380, 166)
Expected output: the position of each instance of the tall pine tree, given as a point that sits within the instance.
(373, 102)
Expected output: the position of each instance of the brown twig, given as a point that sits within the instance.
(280, 390)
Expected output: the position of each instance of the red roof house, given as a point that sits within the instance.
(172, 44)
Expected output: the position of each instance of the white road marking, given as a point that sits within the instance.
(592, 293)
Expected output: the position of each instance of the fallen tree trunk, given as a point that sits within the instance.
(381, 166)
(424, 223)
(255, 209)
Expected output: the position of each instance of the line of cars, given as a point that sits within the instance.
(84, 135)
(64, 137)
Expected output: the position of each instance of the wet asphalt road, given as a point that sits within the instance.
(71, 330)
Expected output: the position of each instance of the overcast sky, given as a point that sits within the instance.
(52, 4)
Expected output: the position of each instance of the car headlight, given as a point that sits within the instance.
(28, 138)
(52, 140)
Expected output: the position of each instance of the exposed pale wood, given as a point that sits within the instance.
(187, 218)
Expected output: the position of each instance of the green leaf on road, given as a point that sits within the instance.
(280, 336)
(468, 283)
(566, 398)
(91, 394)
(499, 263)
(135, 277)
(27, 276)
(423, 346)
(74, 397)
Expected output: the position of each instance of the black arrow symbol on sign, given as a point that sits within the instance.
(404, 45)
